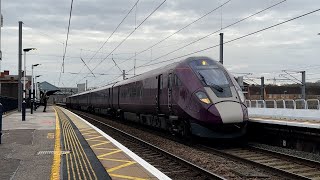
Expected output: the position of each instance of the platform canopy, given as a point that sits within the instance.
(48, 88)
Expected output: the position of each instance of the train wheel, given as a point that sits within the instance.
(120, 115)
(185, 131)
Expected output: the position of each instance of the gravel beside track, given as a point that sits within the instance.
(287, 165)
(215, 163)
(307, 155)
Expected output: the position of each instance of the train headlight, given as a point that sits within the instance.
(203, 97)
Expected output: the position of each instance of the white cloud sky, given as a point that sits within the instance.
(294, 45)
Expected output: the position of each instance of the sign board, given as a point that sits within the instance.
(22, 80)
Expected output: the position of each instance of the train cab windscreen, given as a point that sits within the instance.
(212, 76)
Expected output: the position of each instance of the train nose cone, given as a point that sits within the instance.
(213, 115)
(230, 112)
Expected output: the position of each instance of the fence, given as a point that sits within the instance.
(8, 103)
(285, 104)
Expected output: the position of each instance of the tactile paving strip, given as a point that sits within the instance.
(77, 162)
(117, 164)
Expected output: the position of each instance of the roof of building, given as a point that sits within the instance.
(48, 88)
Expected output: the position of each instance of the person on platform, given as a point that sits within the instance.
(45, 100)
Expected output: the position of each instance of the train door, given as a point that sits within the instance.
(158, 96)
(109, 98)
(118, 96)
(170, 84)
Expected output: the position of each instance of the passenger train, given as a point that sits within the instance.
(196, 96)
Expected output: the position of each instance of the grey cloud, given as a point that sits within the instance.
(93, 21)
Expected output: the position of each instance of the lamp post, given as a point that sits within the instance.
(24, 84)
(35, 91)
(32, 84)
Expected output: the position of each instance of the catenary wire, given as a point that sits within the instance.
(66, 45)
(249, 34)
(130, 34)
(176, 32)
(125, 17)
(144, 65)
(127, 36)
(186, 26)
(228, 26)
(235, 39)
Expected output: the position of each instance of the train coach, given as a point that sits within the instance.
(196, 96)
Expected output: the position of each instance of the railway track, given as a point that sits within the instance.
(171, 165)
(284, 164)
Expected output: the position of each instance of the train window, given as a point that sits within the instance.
(177, 81)
(134, 91)
(213, 76)
(170, 80)
(161, 81)
(141, 92)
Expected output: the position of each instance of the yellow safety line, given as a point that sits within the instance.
(67, 155)
(67, 143)
(85, 129)
(110, 149)
(68, 146)
(107, 154)
(89, 132)
(55, 169)
(105, 142)
(75, 151)
(77, 148)
(84, 158)
(89, 139)
(92, 135)
(96, 140)
(125, 177)
(120, 166)
(116, 160)
(82, 154)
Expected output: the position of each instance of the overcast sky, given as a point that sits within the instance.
(292, 46)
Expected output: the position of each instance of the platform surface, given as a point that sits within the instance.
(21, 143)
(117, 160)
(288, 122)
(58, 144)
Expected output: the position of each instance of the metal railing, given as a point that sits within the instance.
(285, 104)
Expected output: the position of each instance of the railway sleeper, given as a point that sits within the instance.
(304, 169)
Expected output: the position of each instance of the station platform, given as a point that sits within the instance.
(313, 124)
(58, 144)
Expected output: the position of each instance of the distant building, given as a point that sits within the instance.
(290, 91)
(60, 97)
(81, 87)
(9, 85)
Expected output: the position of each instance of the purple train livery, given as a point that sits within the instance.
(196, 96)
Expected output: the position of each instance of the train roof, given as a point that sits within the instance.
(142, 76)
(160, 70)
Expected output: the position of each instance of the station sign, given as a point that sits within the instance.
(24, 78)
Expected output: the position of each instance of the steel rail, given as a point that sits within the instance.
(286, 165)
(143, 144)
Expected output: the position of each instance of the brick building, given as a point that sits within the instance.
(289, 91)
(9, 85)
